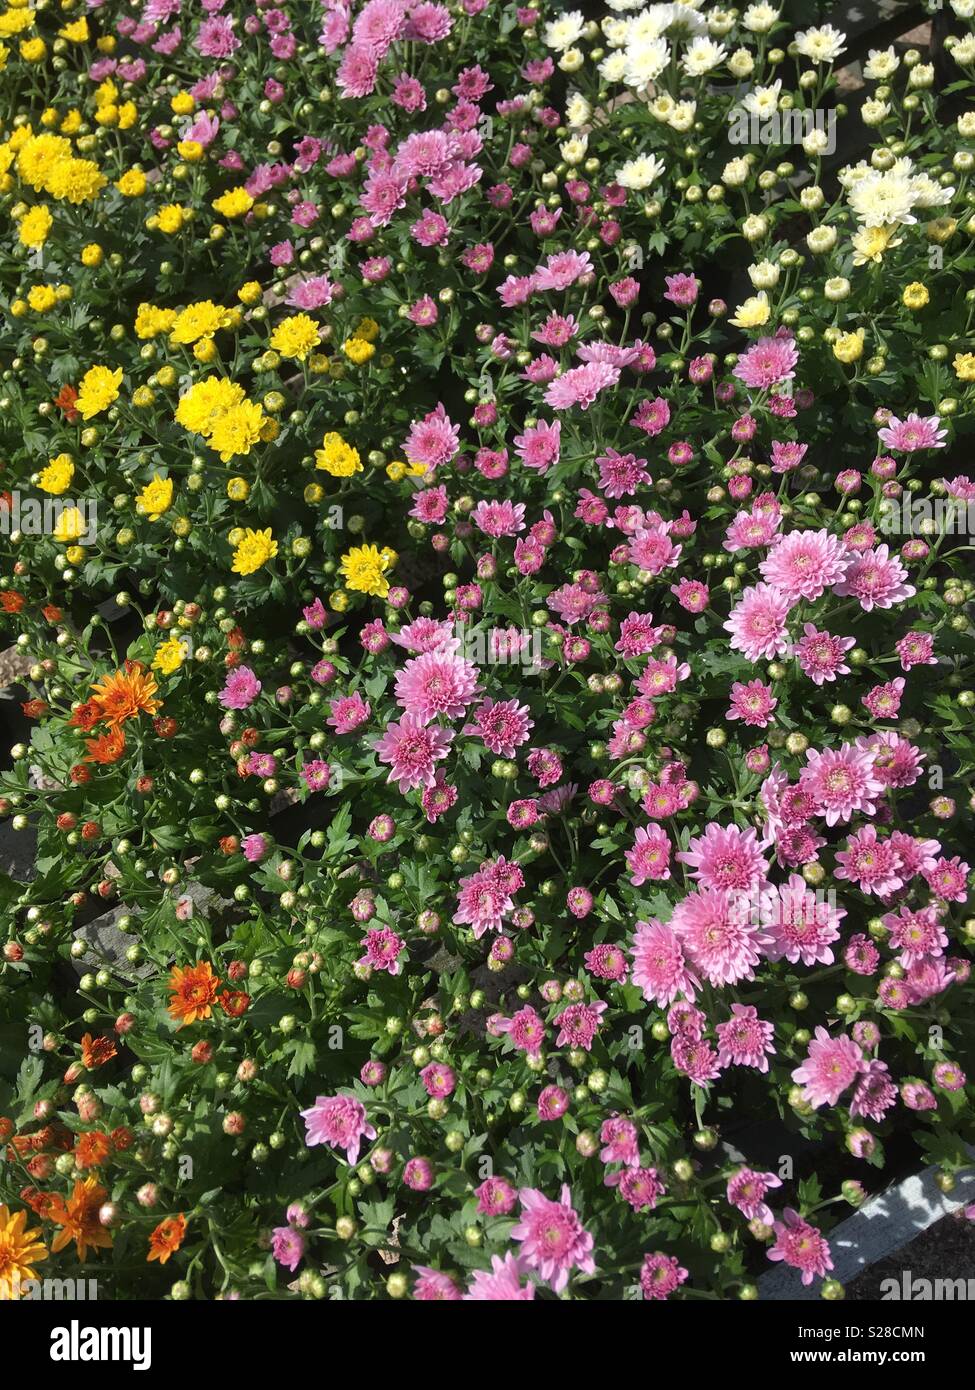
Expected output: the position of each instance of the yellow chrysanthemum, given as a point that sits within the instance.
(92, 255)
(41, 298)
(169, 656)
(964, 365)
(70, 526)
(368, 329)
(156, 497)
(237, 430)
(171, 218)
(848, 347)
(364, 570)
(253, 551)
(56, 477)
(754, 313)
(132, 184)
(200, 320)
(870, 243)
(336, 457)
(250, 293)
(150, 321)
(77, 32)
(358, 350)
(21, 1248)
(99, 388)
(235, 203)
(295, 336)
(34, 226)
(915, 295)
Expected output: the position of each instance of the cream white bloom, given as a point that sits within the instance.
(720, 23)
(966, 123)
(812, 198)
(702, 56)
(754, 227)
(682, 116)
(964, 9)
(763, 101)
(873, 112)
(572, 60)
(822, 43)
(963, 53)
(645, 62)
(573, 151)
(641, 172)
(563, 32)
(927, 193)
(613, 66)
(662, 107)
(736, 172)
(881, 63)
(758, 19)
(649, 25)
(683, 20)
(741, 63)
(616, 32)
(821, 239)
(878, 199)
(816, 143)
(577, 111)
(837, 288)
(764, 275)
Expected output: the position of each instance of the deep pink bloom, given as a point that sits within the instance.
(553, 1239)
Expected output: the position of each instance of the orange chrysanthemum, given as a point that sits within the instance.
(86, 716)
(166, 1238)
(53, 613)
(92, 1149)
(21, 1249)
(95, 1052)
(126, 694)
(11, 601)
(106, 748)
(194, 988)
(65, 400)
(79, 1218)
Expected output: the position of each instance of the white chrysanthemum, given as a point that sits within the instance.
(741, 63)
(641, 172)
(873, 112)
(615, 32)
(562, 33)
(577, 110)
(573, 151)
(702, 56)
(621, 6)
(645, 62)
(683, 21)
(929, 194)
(662, 107)
(966, 124)
(964, 9)
(613, 66)
(882, 198)
(851, 174)
(649, 25)
(816, 143)
(822, 43)
(682, 117)
(735, 172)
(821, 239)
(758, 19)
(720, 23)
(963, 53)
(572, 60)
(837, 288)
(764, 275)
(881, 63)
(812, 199)
(763, 101)
(755, 226)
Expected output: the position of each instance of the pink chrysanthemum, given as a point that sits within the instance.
(801, 926)
(726, 857)
(553, 1239)
(502, 1285)
(871, 863)
(767, 362)
(432, 441)
(831, 1066)
(804, 564)
(434, 1287)
(745, 1040)
(659, 966)
(757, 623)
(661, 1275)
(719, 934)
(916, 432)
(841, 781)
(649, 859)
(821, 654)
(746, 1191)
(436, 685)
(752, 704)
(412, 749)
(801, 1246)
(503, 726)
(876, 579)
(339, 1121)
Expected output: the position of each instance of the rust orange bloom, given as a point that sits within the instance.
(92, 1149)
(166, 1238)
(105, 748)
(95, 1052)
(194, 988)
(86, 716)
(127, 693)
(78, 1217)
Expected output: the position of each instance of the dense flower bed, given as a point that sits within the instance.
(530, 738)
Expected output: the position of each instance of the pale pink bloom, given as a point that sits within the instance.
(745, 1040)
(876, 578)
(436, 685)
(832, 1064)
(905, 436)
(659, 967)
(525, 1029)
(241, 689)
(581, 385)
(719, 935)
(726, 857)
(649, 859)
(339, 1121)
(348, 712)
(871, 863)
(821, 654)
(434, 440)
(767, 362)
(502, 726)
(502, 1285)
(562, 270)
(841, 781)
(621, 474)
(757, 623)
(412, 749)
(578, 1025)
(553, 1239)
(752, 703)
(540, 446)
(800, 925)
(916, 933)
(652, 550)
(621, 1142)
(383, 949)
(432, 1286)
(804, 564)
(499, 518)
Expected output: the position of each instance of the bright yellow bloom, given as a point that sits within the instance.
(56, 477)
(132, 184)
(754, 313)
(253, 551)
(295, 336)
(190, 150)
(849, 346)
(128, 114)
(92, 255)
(33, 50)
(200, 320)
(250, 293)
(156, 497)
(364, 570)
(336, 457)
(76, 32)
(171, 218)
(234, 203)
(34, 226)
(15, 21)
(183, 104)
(915, 295)
(41, 298)
(357, 350)
(99, 388)
(37, 156)
(237, 430)
(368, 329)
(238, 489)
(142, 397)
(396, 472)
(70, 526)
(150, 321)
(964, 365)
(76, 180)
(169, 656)
(21, 1248)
